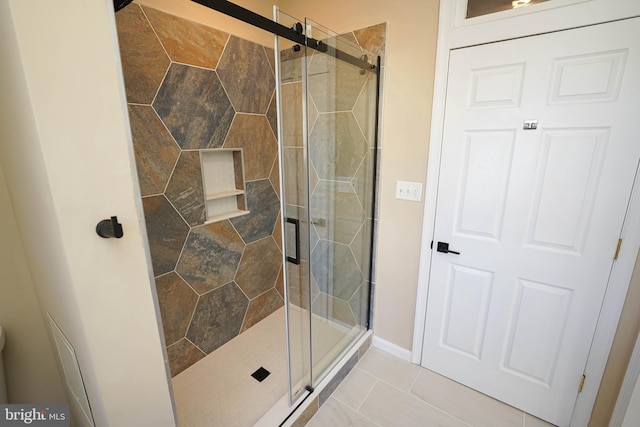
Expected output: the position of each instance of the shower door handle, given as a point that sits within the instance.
(296, 223)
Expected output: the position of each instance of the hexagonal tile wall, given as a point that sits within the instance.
(186, 41)
(193, 105)
(336, 211)
(264, 207)
(261, 307)
(182, 355)
(253, 134)
(218, 317)
(336, 146)
(334, 309)
(177, 302)
(334, 85)
(166, 231)
(259, 267)
(155, 150)
(185, 190)
(210, 256)
(246, 74)
(335, 270)
(144, 61)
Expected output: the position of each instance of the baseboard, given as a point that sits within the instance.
(391, 348)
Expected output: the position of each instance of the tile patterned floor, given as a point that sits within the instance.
(383, 390)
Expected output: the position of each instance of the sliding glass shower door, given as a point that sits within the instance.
(327, 124)
(341, 99)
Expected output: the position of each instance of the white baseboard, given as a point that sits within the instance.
(391, 348)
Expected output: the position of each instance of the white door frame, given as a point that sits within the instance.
(455, 33)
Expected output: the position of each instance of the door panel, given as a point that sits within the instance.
(535, 214)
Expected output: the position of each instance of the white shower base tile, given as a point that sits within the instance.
(219, 390)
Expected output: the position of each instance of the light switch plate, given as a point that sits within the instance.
(406, 190)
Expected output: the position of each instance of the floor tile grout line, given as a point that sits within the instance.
(368, 394)
(421, 401)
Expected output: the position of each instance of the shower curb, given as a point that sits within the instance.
(328, 385)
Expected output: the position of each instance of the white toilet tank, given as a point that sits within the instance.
(3, 385)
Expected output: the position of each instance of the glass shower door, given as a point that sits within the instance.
(327, 96)
(341, 116)
(294, 195)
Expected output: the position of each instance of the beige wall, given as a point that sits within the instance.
(31, 371)
(408, 81)
(196, 12)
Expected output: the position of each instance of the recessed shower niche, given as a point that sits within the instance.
(223, 182)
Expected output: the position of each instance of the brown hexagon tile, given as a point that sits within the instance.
(264, 208)
(177, 302)
(280, 283)
(333, 309)
(334, 85)
(373, 38)
(336, 146)
(186, 41)
(295, 190)
(298, 284)
(359, 304)
(291, 63)
(155, 150)
(363, 182)
(292, 116)
(335, 270)
(182, 355)
(361, 247)
(253, 134)
(261, 307)
(277, 233)
(193, 105)
(259, 267)
(272, 115)
(274, 176)
(365, 110)
(144, 61)
(336, 211)
(246, 75)
(166, 231)
(218, 317)
(210, 256)
(185, 190)
(271, 57)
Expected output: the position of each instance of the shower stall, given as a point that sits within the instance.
(257, 168)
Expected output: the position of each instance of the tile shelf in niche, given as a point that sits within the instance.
(224, 185)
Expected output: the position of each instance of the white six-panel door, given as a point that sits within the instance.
(535, 214)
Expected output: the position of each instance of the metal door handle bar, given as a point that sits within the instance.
(296, 223)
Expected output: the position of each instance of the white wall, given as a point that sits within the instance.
(65, 153)
(632, 417)
(31, 372)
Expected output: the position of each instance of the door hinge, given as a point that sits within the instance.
(581, 383)
(618, 249)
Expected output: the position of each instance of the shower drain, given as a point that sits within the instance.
(261, 374)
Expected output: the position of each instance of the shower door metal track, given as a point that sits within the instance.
(245, 15)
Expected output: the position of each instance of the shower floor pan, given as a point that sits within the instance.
(219, 389)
